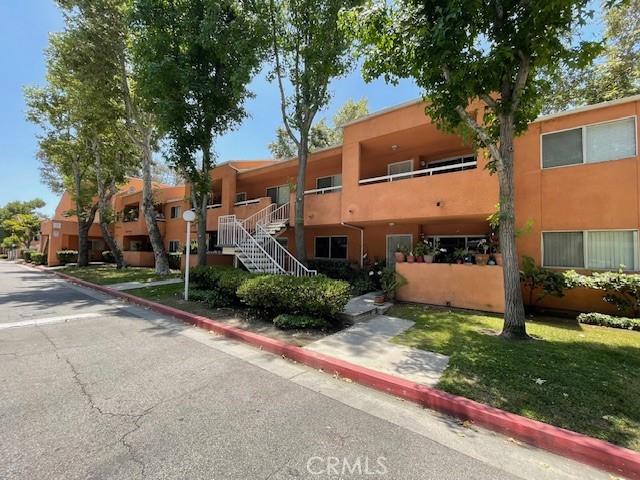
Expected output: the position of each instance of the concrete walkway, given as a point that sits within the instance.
(368, 344)
(134, 285)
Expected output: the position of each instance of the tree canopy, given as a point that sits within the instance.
(322, 134)
(478, 64)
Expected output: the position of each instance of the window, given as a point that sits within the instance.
(175, 212)
(589, 144)
(454, 164)
(599, 250)
(400, 167)
(241, 197)
(328, 182)
(331, 247)
(279, 195)
(174, 246)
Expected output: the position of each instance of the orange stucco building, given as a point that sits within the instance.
(396, 179)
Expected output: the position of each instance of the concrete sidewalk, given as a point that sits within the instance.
(369, 344)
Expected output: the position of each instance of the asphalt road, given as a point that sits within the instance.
(91, 389)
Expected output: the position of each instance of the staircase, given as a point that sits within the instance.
(254, 244)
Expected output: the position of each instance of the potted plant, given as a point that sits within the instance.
(431, 250)
(419, 251)
(400, 253)
(459, 254)
(482, 258)
(411, 257)
(391, 281)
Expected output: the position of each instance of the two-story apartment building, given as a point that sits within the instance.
(397, 178)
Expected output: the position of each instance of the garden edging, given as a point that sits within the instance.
(577, 446)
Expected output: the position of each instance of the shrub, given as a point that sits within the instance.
(621, 289)
(212, 298)
(272, 295)
(107, 256)
(338, 269)
(26, 255)
(362, 284)
(67, 256)
(288, 321)
(546, 281)
(223, 280)
(175, 260)
(38, 258)
(609, 321)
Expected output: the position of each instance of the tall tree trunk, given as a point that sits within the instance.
(157, 244)
(112, 245)
(201, 204)
(514, 318)
(303, 154)
(83, 244)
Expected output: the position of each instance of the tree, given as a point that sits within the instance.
(193, 63)
(616, 74)
(12, 209)
(23, 227)
(64, 158)
(106, 38)
(308, 50)
(81, 59)
(465, 51)
(321, 134)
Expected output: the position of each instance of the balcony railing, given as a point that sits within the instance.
(322, 191)
(247, 202)
(421, 173)
(214, 205)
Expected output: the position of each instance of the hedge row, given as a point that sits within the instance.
(604, 320)
(67, 256)
(272, 295)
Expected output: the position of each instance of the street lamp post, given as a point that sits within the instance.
(188, 216)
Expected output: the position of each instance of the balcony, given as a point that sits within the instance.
(138, 226)
(463, 190)
(321, 206)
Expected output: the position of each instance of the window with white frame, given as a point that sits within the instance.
(175, 212)
(331, 181)
(400, 167)
(174, 246)
(592, 249)
(331, 247)
(590, 144)
(241, 197)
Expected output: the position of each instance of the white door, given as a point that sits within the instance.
(404, 240)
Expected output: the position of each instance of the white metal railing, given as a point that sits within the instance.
(321, 191)
(247, 202)
(259, 248)
(214, 205)
(423, 172)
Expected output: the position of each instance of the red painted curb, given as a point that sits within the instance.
(577, 446)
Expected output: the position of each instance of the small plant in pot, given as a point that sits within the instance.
(459, 254)
(482, 258)
(419, 251)
(400, 253)
(431, 249)
(411, 258)
(391, 282)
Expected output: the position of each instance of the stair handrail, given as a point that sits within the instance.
(263, 215)
(287, 262)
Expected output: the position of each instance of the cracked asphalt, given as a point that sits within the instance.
(125, 395)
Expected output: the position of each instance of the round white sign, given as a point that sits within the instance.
(189, 216)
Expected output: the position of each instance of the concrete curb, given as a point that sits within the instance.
(594, 452)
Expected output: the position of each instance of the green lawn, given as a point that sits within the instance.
(574, 376)
(108, 275)
(160, 292)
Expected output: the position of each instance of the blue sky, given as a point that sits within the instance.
(24, 29)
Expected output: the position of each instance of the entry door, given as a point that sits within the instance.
(279, 195)
(405, 240)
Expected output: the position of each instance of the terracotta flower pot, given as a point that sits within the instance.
(379, 299)
(399, 257)
(428, 259)
(420, 259)
(411, 259)
(498, 257)
(482, 258)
